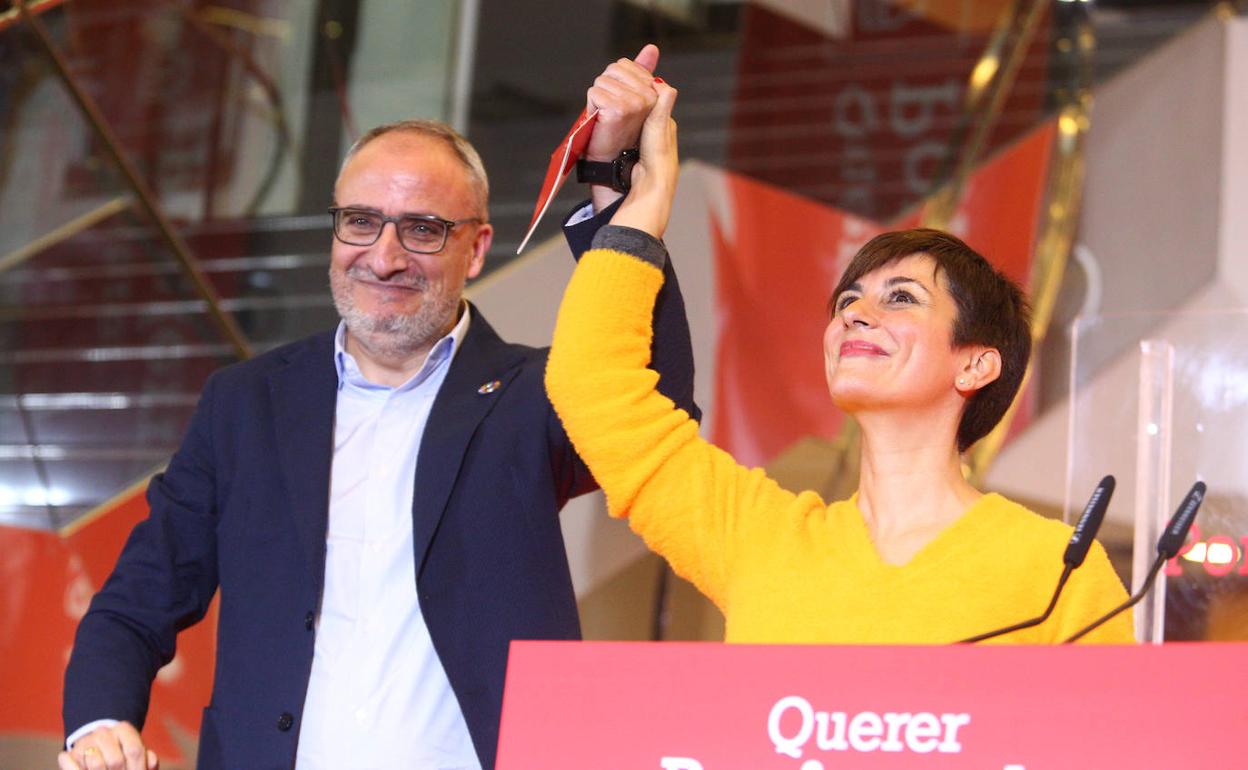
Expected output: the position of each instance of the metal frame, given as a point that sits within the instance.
(143, 194)
(1063, 200)
(66, 231)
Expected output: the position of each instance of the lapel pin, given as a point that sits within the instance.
(490, 387)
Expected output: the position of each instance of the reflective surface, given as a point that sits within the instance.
(1161, 401)
(236, 117)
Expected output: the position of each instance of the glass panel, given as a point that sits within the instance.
(1160, 400)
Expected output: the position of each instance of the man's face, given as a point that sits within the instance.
(396, 302)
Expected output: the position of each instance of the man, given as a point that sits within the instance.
(377, 505)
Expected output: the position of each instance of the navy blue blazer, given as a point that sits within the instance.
(242, 509)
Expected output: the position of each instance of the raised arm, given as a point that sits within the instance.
(688, 499)
(624, 95)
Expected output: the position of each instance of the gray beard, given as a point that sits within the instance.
(393, 335)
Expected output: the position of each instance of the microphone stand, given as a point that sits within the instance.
(1057, 592)
(1168, 546)
(1076, 552)
(1128, 604)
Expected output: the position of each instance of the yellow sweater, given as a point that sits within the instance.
(785, 567)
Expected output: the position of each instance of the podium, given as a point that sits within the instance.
(701, 706)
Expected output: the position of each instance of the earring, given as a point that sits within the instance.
(961, 382)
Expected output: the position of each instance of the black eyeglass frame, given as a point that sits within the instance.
(449, 224)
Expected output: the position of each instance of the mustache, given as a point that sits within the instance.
(361, 272)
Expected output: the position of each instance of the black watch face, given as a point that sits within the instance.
(623, 168)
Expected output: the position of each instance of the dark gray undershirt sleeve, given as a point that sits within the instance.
(632, 241)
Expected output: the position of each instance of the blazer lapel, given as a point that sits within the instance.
(305, 395)
(479, 375)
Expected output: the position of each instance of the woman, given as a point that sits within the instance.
(925, 349)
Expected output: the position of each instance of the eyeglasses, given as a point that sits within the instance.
(420, 233)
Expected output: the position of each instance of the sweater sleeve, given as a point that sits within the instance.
(689, 500)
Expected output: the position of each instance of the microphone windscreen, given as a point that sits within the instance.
(1172, 539)
(1089, 523)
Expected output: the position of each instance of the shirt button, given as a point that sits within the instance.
(361, 716)
(376, 547)
(285, 721)
(309, 621)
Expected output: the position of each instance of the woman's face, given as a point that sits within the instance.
(889, 343)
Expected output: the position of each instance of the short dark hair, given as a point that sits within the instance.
(992, 311)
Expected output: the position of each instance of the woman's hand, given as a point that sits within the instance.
(648, 205)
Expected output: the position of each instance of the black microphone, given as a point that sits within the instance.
(1085, 531)
(1168, 546)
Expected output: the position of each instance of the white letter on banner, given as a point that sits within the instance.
(895, 722)
(952, 722)
(791, 746)
(922, 732)
(912, 165)
(913, 107)
(853, 112)
(679, 763)
(865, 730)
(835, 742)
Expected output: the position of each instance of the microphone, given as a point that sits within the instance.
(1168, 546)
(1085, 531)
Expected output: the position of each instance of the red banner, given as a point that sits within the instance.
(862, 117)
(690, 706)
(47, 580)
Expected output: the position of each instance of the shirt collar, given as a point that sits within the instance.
(442, 350)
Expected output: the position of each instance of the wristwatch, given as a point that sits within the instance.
(618, 174)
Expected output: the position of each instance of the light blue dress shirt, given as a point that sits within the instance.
(378, 696)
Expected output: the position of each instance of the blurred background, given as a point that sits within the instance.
(165, 168)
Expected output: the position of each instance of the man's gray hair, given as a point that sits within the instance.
(436, 129)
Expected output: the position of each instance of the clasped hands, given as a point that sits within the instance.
(634, 109)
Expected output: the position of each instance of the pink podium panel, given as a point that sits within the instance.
(697, 706)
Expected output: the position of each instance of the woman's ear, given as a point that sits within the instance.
(980, 367)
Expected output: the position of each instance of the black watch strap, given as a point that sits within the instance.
(618, 174)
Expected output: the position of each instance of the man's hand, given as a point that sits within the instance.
(114, 747)
(623, 95)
